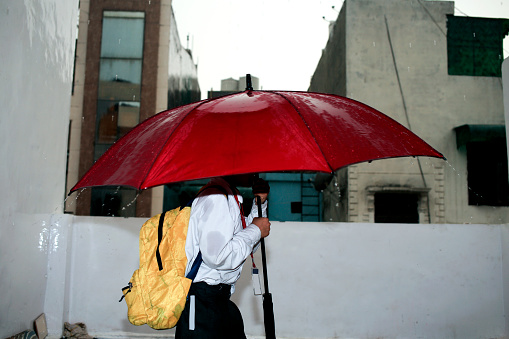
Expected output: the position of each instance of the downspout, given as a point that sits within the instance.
(405, 109)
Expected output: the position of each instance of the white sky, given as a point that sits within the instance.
(278, 41)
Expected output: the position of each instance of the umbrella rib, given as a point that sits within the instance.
(305, 122)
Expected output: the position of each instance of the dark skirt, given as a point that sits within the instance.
(215, 316)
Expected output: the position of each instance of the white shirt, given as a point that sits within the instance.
(215, 228)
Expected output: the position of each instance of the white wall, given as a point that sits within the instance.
(327, 280)
(505, 85)
(37, 50)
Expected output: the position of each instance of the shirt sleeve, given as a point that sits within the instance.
(223, 244)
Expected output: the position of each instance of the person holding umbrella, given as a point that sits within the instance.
(302, 132)
(219, 233)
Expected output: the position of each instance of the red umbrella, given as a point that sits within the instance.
(252, 132)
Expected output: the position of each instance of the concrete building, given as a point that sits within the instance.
(129, 66)
(232, 85)
(439, 75)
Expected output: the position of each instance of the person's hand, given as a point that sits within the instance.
(263, 224)
(261, 189)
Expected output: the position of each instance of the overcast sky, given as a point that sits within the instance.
(278, 41)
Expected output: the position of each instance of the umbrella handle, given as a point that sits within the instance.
(264, 257)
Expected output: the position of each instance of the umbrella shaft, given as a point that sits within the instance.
(268, 308)
(264, 268)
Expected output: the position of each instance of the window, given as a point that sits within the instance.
(475, 45)
(486, 163)
(397, 208)
(398, 204)
(119, 94)
(487, 173)
(118, 106)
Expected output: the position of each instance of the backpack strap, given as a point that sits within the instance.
(196, 266)
(159, 238)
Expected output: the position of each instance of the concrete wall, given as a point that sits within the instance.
(327, 280)
(505, 80)
(37, 40)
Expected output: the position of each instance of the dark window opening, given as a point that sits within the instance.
(396, 208)
(296, 207)
(487, 173)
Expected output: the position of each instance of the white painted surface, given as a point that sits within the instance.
(505, 238)
(327, 280)
(37, 54)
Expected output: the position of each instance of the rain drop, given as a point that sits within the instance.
(434, 42)
(410, 44)
(374, 44)
(119, 41)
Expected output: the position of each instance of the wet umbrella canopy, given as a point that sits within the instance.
(252, 132)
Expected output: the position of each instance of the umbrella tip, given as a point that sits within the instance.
(249, 85)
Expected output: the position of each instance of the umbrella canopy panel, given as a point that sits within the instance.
(252, 132)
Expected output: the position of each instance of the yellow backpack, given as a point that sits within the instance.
(157, 292)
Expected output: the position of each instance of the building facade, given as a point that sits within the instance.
(129, 65)
(438, 75)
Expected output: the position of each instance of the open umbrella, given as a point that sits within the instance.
(252, 132)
